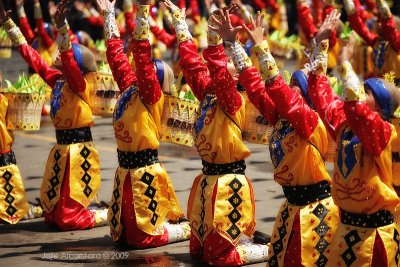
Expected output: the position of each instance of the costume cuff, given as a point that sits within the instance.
(246, 14)
(182, 31)
(178, 16)
(349, 7)
(110, 25)
(142, 29)
(21, 12)
(128, 6)
(353, 90)
(268, 67)
(213, 38)
(37, 11)
(168, 18)
(384, 9)
(152, 22)
(239, 56)
(63, 39)
(320, 57)
(15, 34)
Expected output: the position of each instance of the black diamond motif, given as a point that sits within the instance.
(322, 260)
(85, 152)
(282, 231)
(235, 185)
(277, 247)
(56, 169)
(320, 211)
(51, 194)
(150, 192)
(87, 191)
(202, 214)
(11, 210)
(321, 245)
(352, 238)
(204, 184)
(234, 231)
(322, 229)
(201, 231)
(235, 200)
(54, 181)
(273, 261)
(154, 219)
(115, 208)
(86, 165)
(114, 222)
(116, 193)
(8, 187)
(396, 237)
(147, 178)
(153, 205)
(348, 256)
(285, 214)
(57, 155)
(9, 199)
(118, 181)
(234, 216)
(86, 178)
(7, 175)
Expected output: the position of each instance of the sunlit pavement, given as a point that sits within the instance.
(34, 243)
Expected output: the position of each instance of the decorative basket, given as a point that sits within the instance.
(177, 121)
(24, 110)
(104, 93)
(332, 150)
(257, 129)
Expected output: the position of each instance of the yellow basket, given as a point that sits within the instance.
(257, 129)
(24, 111)
(104, 93)
(177, 121)
(5, 48)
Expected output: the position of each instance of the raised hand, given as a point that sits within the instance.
(223, 26)
(347, 50)
(327, 26)
(19, 3)
(52, 8)
(4, 15)
(106, 5)
(61, 11)
(171, 6)
(257, 32)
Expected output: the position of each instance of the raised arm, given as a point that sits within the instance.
(128, 15)
(30, 55)
(357, 23)
(388, 25)
(306, 20)
(44, 36)
(148, 84)
(161, 35)
(71, 70)
(191, 63)
(119, 64)
(24, 23)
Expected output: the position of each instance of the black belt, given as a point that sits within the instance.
(7, 158)
(237, 167)
(133, 160)
(374, 220)
(73, 136)
(303, 195)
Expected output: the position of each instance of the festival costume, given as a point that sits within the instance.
(72, 175)
(362, 181)
(143, 195)
(221, 203)
(13, 202)
(306, 221)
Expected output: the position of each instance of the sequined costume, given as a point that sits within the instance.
(362, 179)
(13, 202)
(221, 203)
(72, 175)
(307, 219)
(143, 196)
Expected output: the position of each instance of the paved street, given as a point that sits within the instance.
(33, 243)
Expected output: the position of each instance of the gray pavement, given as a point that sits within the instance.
(34, 243)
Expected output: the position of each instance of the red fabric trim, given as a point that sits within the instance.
(131, 234)
(68, 214)
(293, 251)
(379, 256)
